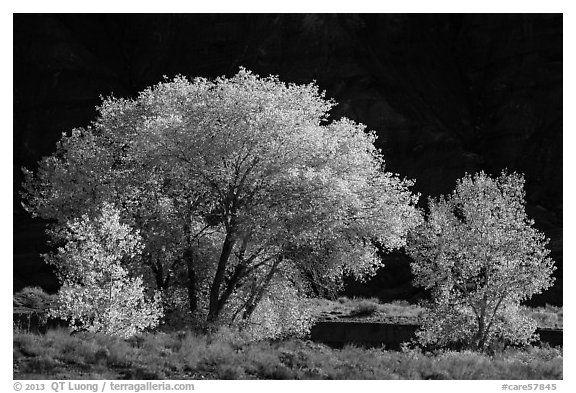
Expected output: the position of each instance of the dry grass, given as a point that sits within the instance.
(58, 355)
(371, 310)
(547, 317)
(364, 308)
(367, 310)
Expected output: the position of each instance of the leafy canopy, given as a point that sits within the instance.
(97, 293)
(481, 256)
(230, 182)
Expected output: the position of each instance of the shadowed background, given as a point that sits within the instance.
(446, 94)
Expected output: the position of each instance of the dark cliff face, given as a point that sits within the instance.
(445, 93)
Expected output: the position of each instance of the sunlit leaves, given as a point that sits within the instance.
(481, 256)
(190, 163)
(97, 294)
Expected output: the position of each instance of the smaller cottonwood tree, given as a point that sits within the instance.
(97, 294)
(481, 256)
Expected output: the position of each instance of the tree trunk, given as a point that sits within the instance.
(258, 293)
(481, 336)
(158, 276)
(192, 297)
(157, 270)
(482, 325)
(231, 285)
(219, 277)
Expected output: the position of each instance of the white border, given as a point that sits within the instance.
(246, 6)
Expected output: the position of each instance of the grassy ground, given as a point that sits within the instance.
(369, 310)
(58, 355)
(402, 312)
(547, 317)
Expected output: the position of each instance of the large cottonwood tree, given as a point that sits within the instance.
(231, 183)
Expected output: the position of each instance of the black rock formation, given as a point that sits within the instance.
(445, 93)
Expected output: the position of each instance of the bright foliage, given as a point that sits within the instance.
(481, 256)
(97, 294)
(230, 182)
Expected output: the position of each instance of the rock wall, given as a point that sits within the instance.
(445, 93)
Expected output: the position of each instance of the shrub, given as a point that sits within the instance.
(283, 312)
(364, 308)
(32, 308)
(343, 300)
(34, 298)
(97, 294)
